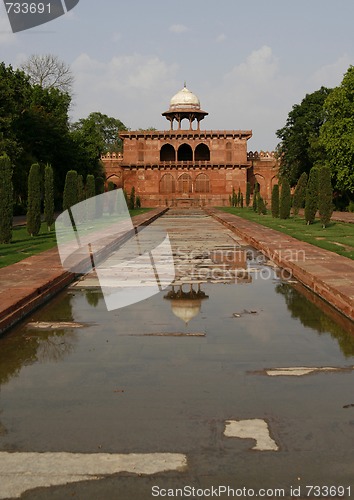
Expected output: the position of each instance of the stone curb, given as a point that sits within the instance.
(30, 283)
(329, 275)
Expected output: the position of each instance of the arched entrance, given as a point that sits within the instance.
(185, 153)
(202, 153)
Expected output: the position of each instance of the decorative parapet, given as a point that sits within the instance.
(112, 156)
(262, 155)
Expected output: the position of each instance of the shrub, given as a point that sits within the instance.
(6, 199)
(300, 193)
(234, 198)
(285, 200)
(34, 200)
(311, 203)
(275, 201)
(325, 195)
(138, 202)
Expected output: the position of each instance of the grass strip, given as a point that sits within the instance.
(338, 237)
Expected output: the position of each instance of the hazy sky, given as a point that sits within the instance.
(248, 62)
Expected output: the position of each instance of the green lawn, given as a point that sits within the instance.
(23, 245)
(337, 237)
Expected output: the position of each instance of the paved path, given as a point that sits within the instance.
(26, 285)
(329, 275)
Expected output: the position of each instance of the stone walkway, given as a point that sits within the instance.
(26, 285)
(329, 275)
(29, 283)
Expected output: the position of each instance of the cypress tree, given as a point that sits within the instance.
(248, 194)
(234, 198)
(80, 188)
(48, 197)
(285, 200)
(90, 192)
(275, 201)
(138, 202)
(255, 197)
(325, 195)
(311, 203)
(70, 196)
(110, 186)
(261, 206)
(241, 201)
(239, 197)
(300, 193)
(132, 199)
(34, 200)
(99, 187)
(6, 199)
(90, 186)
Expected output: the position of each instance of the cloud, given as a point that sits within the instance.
(128, 87)
(221, 38)
(178, 28)
(254, 94)
(6, 35)
(331, 75)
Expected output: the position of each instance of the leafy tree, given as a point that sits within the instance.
(6, 199)
(48, 197)
(48, 71)
(275, 201)
(311, 203)
(103, 129)
(338, 131)
(300, 147)
(34, 200)
(325, 195)
(70, 196)
(285, 200)
(248, 194)
(300, 193)
(90, 190)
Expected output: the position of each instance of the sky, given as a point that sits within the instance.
(248, 62)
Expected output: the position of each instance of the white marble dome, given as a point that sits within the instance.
(184, 99)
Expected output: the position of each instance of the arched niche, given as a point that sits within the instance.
(167, 153)
(202, 153)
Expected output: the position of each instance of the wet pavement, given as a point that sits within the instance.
(230, 377)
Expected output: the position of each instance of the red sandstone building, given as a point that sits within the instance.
(189, 167)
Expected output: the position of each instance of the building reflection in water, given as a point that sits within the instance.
(186, 305)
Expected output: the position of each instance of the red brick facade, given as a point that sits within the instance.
(184, 168)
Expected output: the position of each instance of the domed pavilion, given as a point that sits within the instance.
(189, 167)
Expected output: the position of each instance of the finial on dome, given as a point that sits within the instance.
(185, 84)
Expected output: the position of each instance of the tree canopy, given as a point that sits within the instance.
(337, 133)
(103, 130)
(49, 72)
(300, 147)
